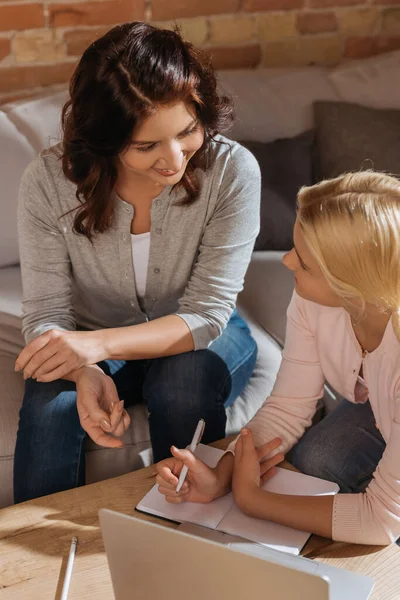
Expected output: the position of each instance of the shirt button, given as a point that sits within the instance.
(126, 274)
(156, 270)
(154, 299)
(158, 231)
(132, 303)
(158, 202)
(124, 237)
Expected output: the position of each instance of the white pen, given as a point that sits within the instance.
(68, 572)
(195, 441)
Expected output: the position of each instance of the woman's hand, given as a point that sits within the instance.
(100, 410)
(56, 353)
(248, 472)
(202, 483)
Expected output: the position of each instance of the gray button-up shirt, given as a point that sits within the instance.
(199, 252)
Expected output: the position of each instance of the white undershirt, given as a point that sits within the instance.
(140, 258)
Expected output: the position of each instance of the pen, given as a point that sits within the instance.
(195, 441)
(68, 572)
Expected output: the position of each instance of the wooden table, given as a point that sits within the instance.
(35, 537)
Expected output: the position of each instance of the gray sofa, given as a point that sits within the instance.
(271, 104)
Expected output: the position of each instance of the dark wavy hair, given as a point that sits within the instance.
(120, 80)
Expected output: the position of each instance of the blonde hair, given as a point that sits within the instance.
(352, 226)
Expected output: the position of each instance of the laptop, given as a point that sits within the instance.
(155, 562)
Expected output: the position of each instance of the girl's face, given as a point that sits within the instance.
(163, 144)
(310, 282)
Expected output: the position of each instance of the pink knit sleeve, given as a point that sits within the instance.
(373, 517)
(299, 384)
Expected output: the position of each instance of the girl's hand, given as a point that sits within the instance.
(201, 483)
(248, 472)
(56, 353)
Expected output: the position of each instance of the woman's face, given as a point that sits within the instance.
(163, 144)
(310, 282)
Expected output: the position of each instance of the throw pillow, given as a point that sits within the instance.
(372, 82)
(349, 137)
(286, 165)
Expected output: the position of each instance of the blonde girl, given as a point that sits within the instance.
(342, 327)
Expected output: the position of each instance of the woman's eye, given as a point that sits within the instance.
(189, 131)
(145, 148)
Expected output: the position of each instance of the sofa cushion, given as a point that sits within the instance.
(372, 82)
(275, 103)
(349, 137)
(15, 154)
(286, 165)
(39, 119)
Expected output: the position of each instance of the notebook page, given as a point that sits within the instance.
(208, 515)
(271, 534)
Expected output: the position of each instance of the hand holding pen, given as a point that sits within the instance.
(199, 483)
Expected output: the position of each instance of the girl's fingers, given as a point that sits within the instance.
(269, 474)
(169, 485)
(177, 499)
(166, 470)
(168, 492)
(270, 463)
(268, 447)
(238, 450)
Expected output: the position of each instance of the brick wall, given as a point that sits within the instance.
(40, 41)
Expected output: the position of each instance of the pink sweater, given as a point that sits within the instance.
(321, 344)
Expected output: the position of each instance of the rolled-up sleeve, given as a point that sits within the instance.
(225, 251)
(45, 264)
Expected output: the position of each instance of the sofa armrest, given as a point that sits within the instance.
(267, 292)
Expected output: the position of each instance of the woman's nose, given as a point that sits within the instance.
(174, 156)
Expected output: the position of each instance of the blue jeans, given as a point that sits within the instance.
(178, 391)
(345, 447)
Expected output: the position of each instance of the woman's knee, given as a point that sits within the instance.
(45, 402)
(193, 378)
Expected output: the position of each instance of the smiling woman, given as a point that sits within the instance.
(132, 256)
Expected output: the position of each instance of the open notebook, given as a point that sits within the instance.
(223, 515)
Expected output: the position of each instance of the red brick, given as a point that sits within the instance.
(21, 16)
(328, 3)
(164, 10)
(363, 47)
(77, 41)
(387, 2)
(238, 57)
(21, 78)
(68, 14)
(5, 47)
(264, 5)
(316, 22)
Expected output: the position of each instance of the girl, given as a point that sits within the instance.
(137, 231)
(343, 326)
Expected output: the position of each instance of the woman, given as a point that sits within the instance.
(343, 326)
(139, 238)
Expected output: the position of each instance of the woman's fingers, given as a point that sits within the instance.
(269, 447)
(116, 418)
(126, 419)
(270, 463)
